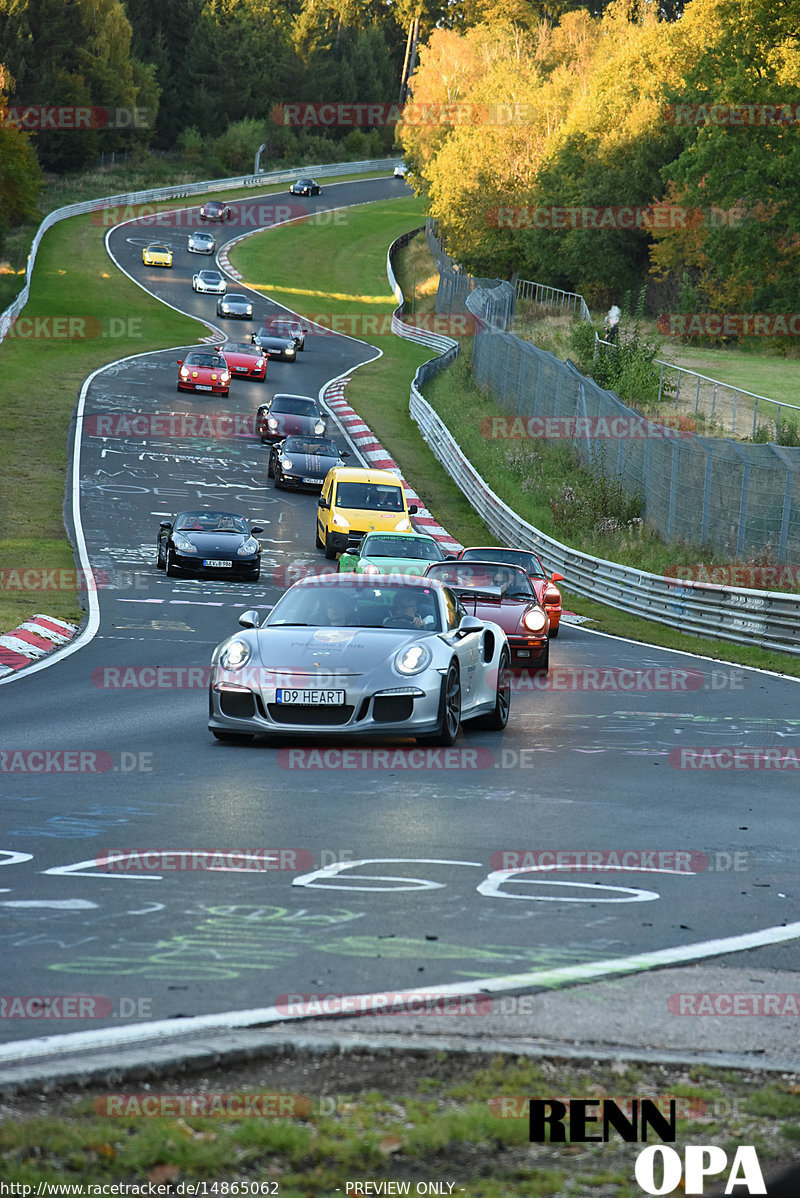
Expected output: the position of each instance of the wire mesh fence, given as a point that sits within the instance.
(735, 498)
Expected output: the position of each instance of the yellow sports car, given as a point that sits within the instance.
(157, 255)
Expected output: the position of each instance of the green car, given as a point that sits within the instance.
(392, 553)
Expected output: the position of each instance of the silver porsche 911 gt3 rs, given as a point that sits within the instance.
(353, 655)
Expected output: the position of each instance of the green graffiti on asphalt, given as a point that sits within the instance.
(234, 940)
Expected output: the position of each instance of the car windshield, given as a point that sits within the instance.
(514, 557)
(210, 276)
(214, 361)
(284, 325)
(235, 298)
(358, 606)
(214, 206)
(241, 347)
(511, 581)
(411, 547)
(370, 496)
(158, 249)
(211, 522)
(317, 446)
(206, 238)
(294, 406)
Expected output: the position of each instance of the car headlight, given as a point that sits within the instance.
(534, 620)
(403, 525)
(339, 521)
(225, 377)
(412, 659)
(369, 568)
(225, 307)
(272, 422)
(235, 655)
(319, 427)
(259, 363)
(290, 350)
(286, 463)
(183, 545)
(248, 548)
(184, 372)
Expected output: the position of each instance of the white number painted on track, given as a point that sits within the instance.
(318, 878)
(14, 858)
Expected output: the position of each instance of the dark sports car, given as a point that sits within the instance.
(304, 461)
(215, 210)
(504, 594)
(305, 187)
(245, 361)
(543, 583)
(287, 326)
(287, 415)
(276, 346)
(209, 542)
(341, 655)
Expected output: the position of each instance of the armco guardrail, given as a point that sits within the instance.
(770, 619)
(11, 313)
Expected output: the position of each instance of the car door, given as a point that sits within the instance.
(323, 513)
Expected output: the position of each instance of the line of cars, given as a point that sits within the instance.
(400, 640)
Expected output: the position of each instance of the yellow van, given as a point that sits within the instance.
(355, 501)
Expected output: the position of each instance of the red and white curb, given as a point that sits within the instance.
(33, 639)
(376, 456)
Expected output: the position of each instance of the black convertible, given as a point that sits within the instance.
(206, 541)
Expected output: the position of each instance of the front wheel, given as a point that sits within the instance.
(449, 711)
(543, 664)
(320, 544)
(497, 719)
(160, 561)
(172, 569)
(330, 552)
(554, 631)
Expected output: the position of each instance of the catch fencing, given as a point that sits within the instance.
(183, 190)
(737, 499)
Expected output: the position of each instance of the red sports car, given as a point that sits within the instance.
(505, 595)
(543, 584)
(204, 370)
(245, 360)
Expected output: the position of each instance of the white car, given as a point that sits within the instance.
(400, 170)
(209, 280)
(201, 243)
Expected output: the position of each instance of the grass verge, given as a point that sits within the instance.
(74, 280)
(452, 1118)
(316, 272)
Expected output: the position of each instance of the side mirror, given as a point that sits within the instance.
(556, 577)
(249, 619)
(344, 453)
(323, 503)
(180, 362)
(413, 509)
(256, 529)
(469, 624)
(165, 524)
(451, 557)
